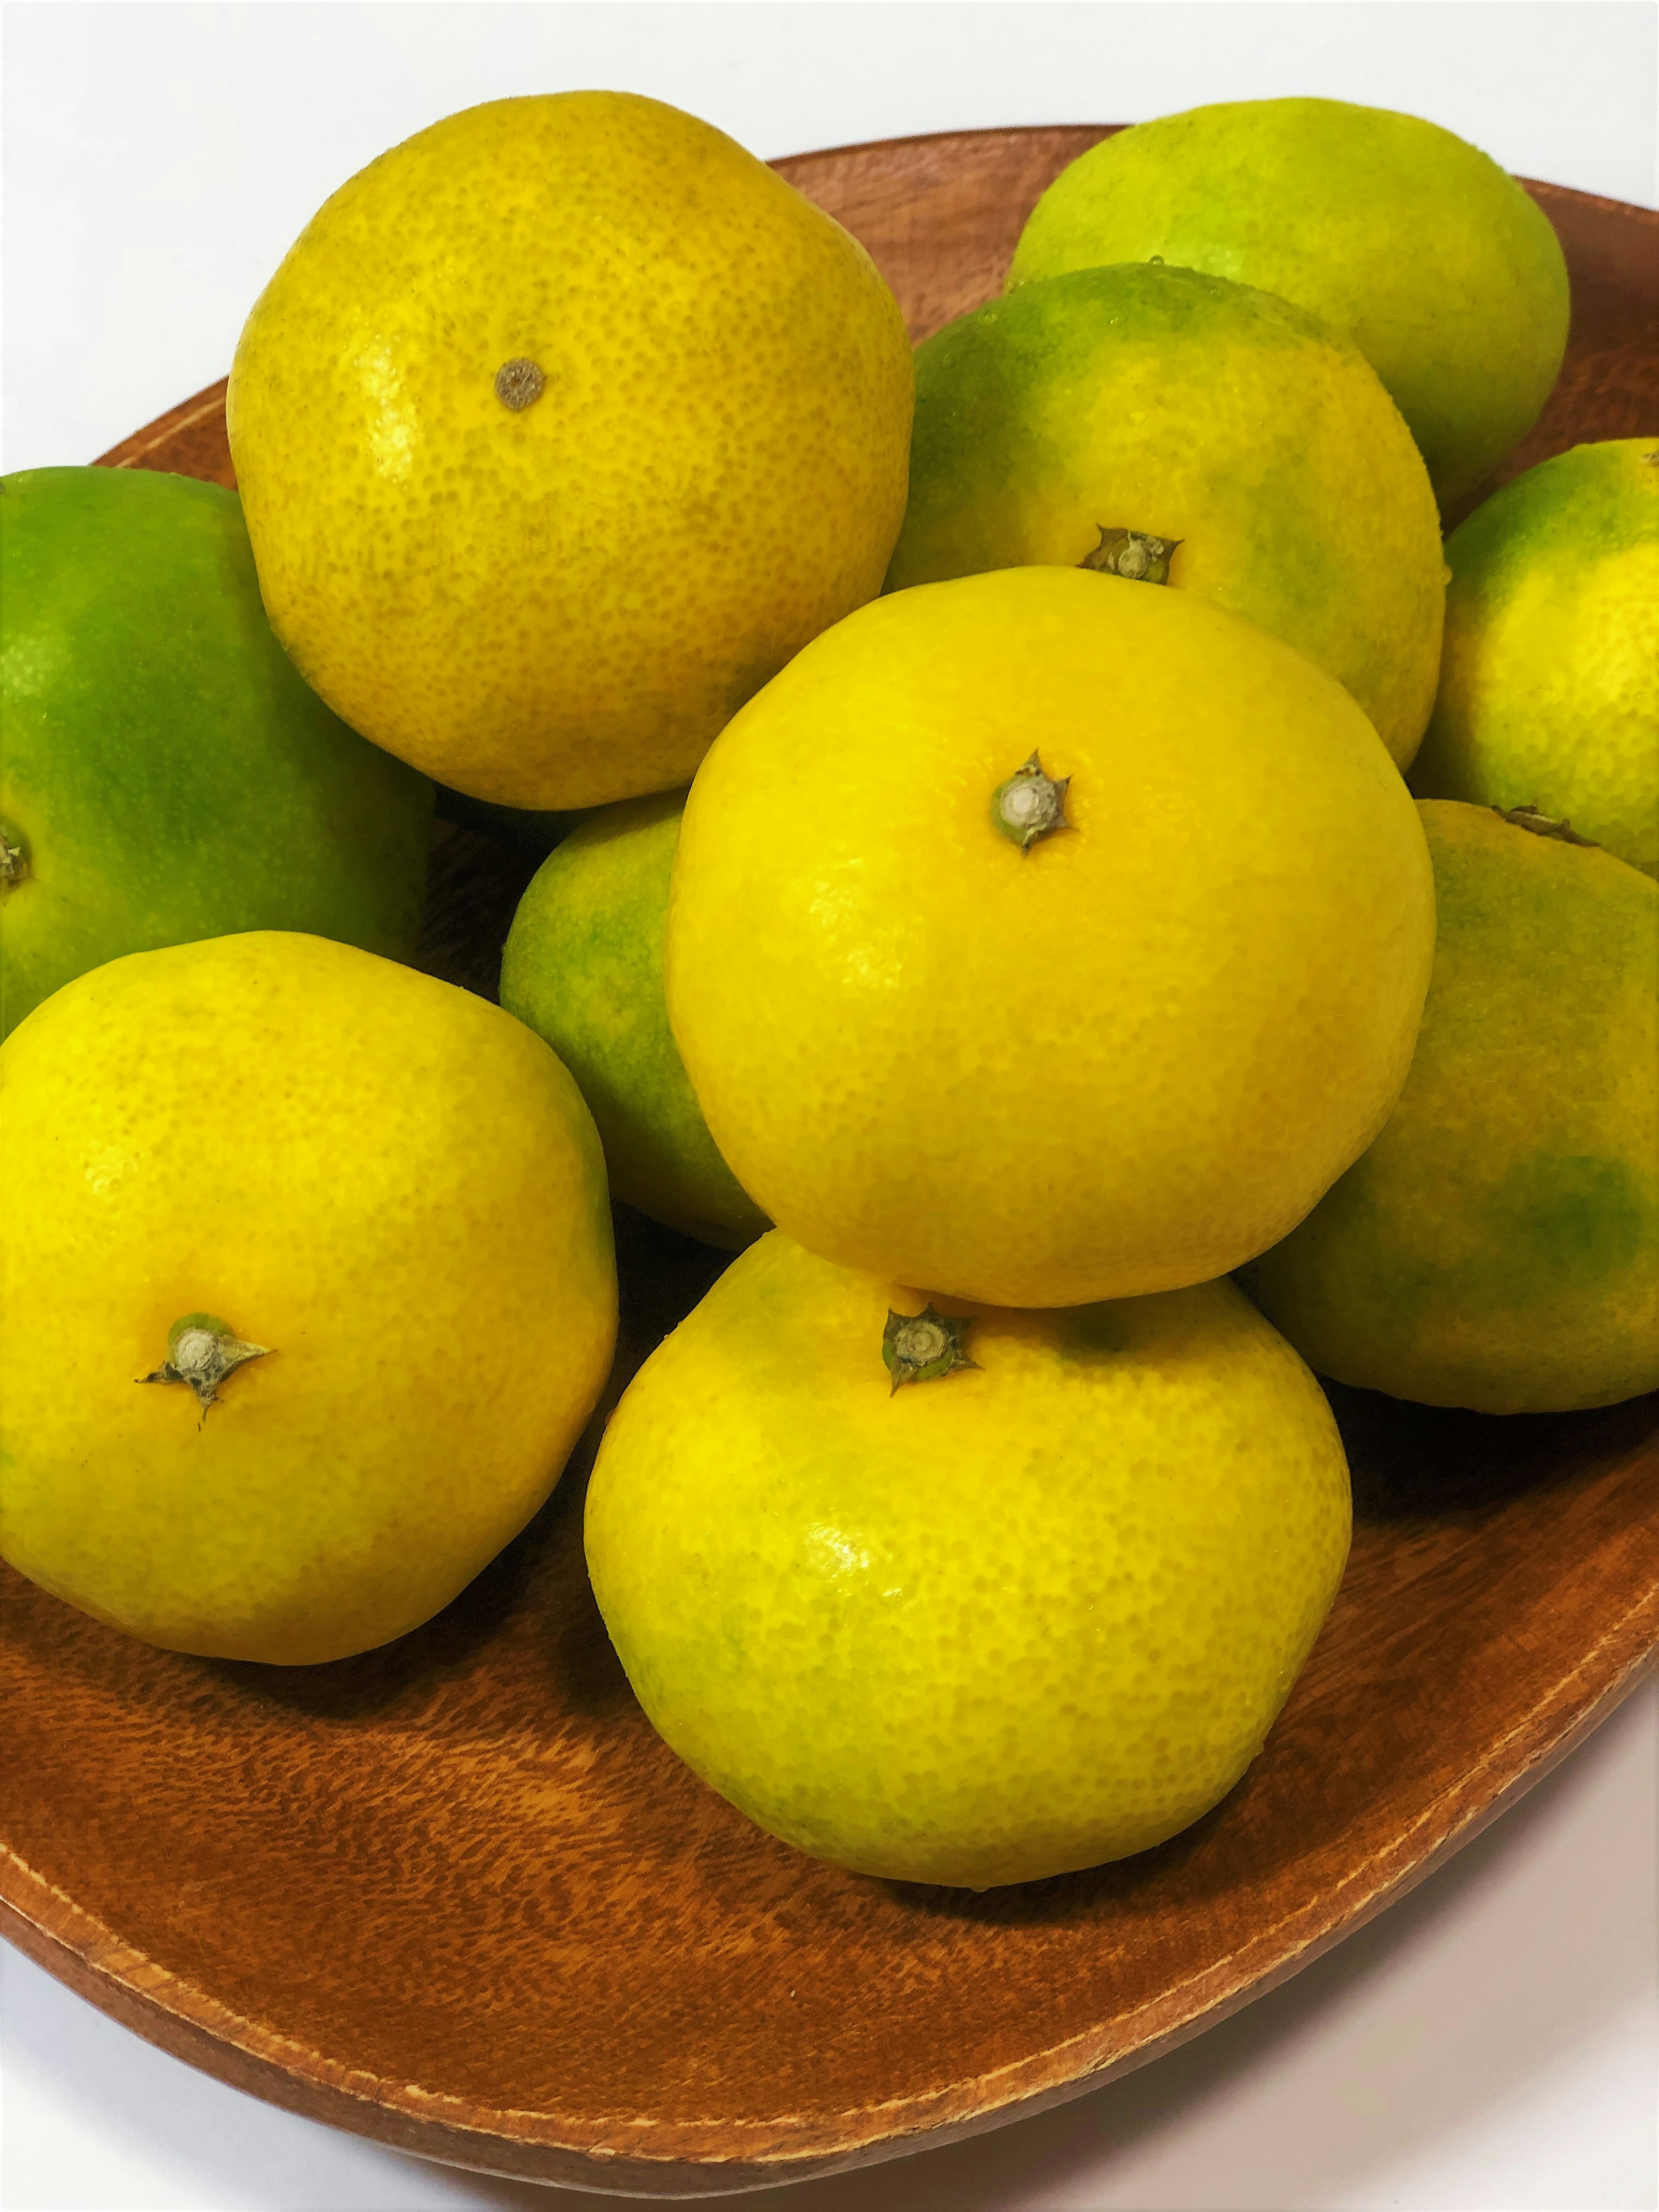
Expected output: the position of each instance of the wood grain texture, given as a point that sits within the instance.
(457, 1896)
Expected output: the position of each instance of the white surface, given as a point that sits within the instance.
(160, 160)
(1490, 2045)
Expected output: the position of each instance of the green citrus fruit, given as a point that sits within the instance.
(1497, 1247)
(288, 1351)
(1087, 418)
(938, 1037)
(165, 774)
(1017, 1616)
(583, 966)
(560, 428)
(1549, 690)
(1446, 274)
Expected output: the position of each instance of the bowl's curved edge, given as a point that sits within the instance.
(192, 435)
(188, 441)
(641, 2158)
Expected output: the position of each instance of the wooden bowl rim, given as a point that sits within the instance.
(48, 1927)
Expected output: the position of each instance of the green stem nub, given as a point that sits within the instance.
(1031, 805)
(14, 856)
(518, 384)
(917, 1347)
(1135, 554)
(1543, 825)
(202, 1350)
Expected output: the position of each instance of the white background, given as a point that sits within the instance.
(1490, 2044)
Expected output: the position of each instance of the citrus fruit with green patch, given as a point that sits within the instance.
(1497, 1247)
(983, 1617)
(583, 966)
(1549, 688)
(1159, 423)
(1400, 234)
(165, 774)
(1040, 938)
(561, 427)
(306, 1292)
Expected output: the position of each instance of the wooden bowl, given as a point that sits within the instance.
(456, 1895)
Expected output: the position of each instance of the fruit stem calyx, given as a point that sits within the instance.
(918, 1347)
(1543, 825)
(518, 384)
(202, 1350)
(1136, 554)
(14, 856)
(1031, 805)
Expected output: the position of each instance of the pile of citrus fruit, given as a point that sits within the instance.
(1050, 987)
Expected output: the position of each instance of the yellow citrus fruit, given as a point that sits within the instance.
(560, 428)
(1497, 1247)
(583, 966)
(1103, 417)
(306, 1291)
(1011, 1620)
(1046, 1068)
(1549, 690)
(1444, 272)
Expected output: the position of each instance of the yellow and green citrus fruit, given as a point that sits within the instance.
(377, 1204)
(1442, 270)
(1497, 1247)
(1000, 1623)
(1549, 690)
(1042, 1069)
(560, 428)
(164, 774)
(1086, 416)
(583, 966)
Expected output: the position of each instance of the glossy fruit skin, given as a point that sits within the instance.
(583, 967)
(1497, 1247)
(1446, 274)
(1106, 1066)
(1549, 687)
(168, 775)
(391, 1184)
(1012, 1621)
(1169, 401)
(559, 604)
